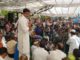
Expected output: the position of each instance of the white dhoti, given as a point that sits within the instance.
(24, 46)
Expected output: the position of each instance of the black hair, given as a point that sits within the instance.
(57, 44)
(3, 50)
(73, 33)
(42, 43)
(26, 10)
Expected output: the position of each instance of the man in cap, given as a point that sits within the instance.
(36, 42)
(73, 41)
(35, 45)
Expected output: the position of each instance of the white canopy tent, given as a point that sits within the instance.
(59, 7)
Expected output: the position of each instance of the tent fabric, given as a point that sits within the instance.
(60, 7)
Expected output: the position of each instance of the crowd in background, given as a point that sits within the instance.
(8, 37)
(60, 38)
(49, 39)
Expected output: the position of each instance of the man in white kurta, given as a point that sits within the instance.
(73, 42)
(23, 34)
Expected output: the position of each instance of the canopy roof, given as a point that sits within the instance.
(58, 7)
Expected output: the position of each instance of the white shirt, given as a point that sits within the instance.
(1, 58)
(56, 55)
(73, 43)
(40, 54)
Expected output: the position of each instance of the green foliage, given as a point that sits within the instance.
(3, 12)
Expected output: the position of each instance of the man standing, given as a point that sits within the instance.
(73, 41)
(23, 34)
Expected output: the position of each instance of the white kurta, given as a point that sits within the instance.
(73, 43)
(40, 54)
(23, 36)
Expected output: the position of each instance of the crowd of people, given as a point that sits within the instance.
(39, 39)
(61, 39)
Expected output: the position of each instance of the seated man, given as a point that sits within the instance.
(39, 53)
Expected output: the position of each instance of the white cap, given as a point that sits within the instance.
(73, 30)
